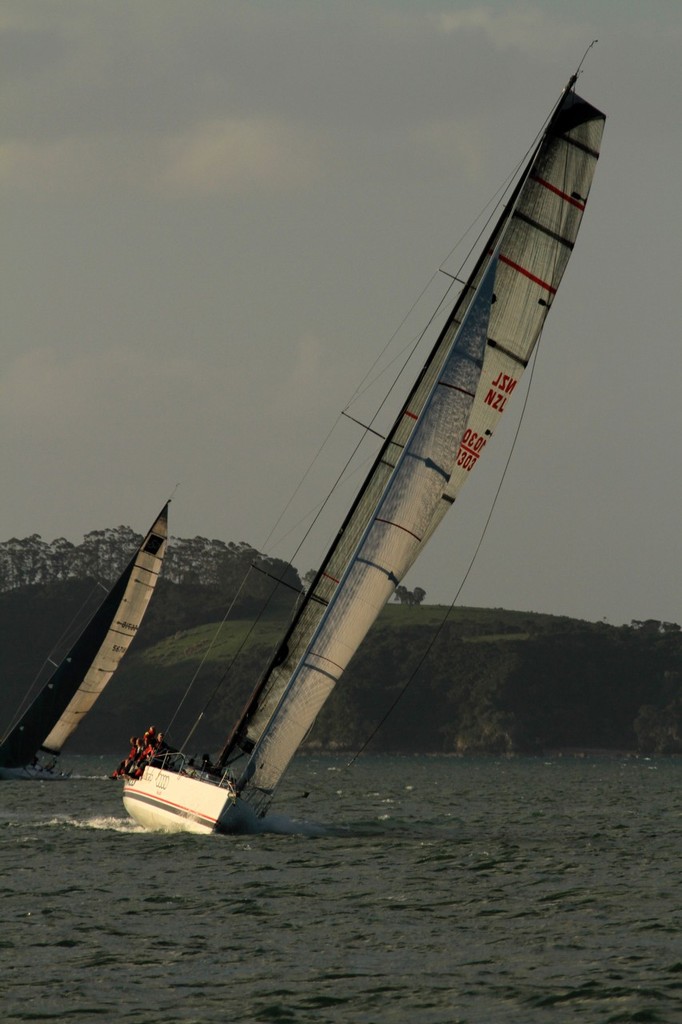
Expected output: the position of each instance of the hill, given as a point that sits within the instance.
(478, 680)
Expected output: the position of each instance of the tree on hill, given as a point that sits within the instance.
(409, 597)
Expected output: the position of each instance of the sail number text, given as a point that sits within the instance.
(499, 390)
(471, 446)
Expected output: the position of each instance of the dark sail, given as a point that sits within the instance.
(82, 675)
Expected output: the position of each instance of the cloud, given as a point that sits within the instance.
(215, 157)
(238, 155)
(49, 390)
(522, 28)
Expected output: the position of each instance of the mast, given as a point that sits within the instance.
(82, 675)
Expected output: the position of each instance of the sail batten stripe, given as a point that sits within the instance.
(527, 273)
(429, 464)
(322, 671)
(387, 522)
(508, 352)
(579, 145)
(150, 572)
(380, 568)
(455, 387)
(519, 215)
(579, 204)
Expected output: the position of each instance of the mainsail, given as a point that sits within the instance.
(82, 675)
(525, 258)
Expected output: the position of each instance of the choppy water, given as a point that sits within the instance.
(420, 890)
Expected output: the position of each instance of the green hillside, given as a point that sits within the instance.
(473, 680)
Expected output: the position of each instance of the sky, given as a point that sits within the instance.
(216, 216)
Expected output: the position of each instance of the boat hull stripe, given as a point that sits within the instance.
(172, 808)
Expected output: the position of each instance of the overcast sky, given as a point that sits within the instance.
(215, 216)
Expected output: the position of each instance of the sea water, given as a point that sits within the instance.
(421, 890)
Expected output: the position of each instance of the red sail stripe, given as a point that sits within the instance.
(557, 191)
(527, 273)
(412, 415)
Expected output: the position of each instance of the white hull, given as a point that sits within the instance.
(32, 773)
(166, 801)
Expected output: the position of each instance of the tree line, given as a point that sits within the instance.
(485, 681)
(102, 555)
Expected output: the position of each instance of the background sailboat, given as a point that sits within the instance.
(31, 745)
(446, 422)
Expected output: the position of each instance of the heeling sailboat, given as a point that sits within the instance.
(82, 675)
(449, 416)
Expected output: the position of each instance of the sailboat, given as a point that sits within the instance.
(31, 746)
(445, 424)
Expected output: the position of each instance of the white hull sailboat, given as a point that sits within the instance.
(179, 798)
(448, 418)
(31, 746)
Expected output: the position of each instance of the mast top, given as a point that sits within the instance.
(578, 71)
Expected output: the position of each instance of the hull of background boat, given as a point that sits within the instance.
(164, 801)
(31, 773)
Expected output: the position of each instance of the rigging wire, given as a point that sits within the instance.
(208, 650)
